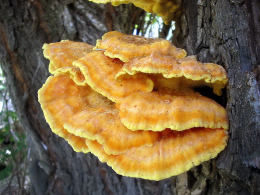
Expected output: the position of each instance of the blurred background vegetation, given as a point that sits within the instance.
(13, 150)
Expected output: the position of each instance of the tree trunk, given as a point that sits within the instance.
(228, 33)
(220, 31)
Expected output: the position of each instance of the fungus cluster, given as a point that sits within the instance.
(131, 102)
(152, 6)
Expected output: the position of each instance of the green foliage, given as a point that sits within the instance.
(12, 140)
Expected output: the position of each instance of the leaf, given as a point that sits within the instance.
(6, 172)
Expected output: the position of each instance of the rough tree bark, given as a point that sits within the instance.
(228, 33)
(222, 31)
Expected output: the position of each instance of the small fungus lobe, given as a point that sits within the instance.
(126, 47)
(100, 70)
(55, 102)
(173, 154)
(177, 111)
(186, 71)
(62, 54)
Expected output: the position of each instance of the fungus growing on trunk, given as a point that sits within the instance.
(55, 101)
(133, 105)
(176, 110)
(100, 71)
(186, 71)
(78, 110)
(153, 6)
(172, 154)
(62, 54)
(126, 47)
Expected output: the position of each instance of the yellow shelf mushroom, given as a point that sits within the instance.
(167, 9)
(62, 54)
(133, 106)
(127, 47)
(178, 111)
(99, 72)
(173, 154)
(186, 71)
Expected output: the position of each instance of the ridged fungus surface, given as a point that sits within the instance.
(104, 126)
(56, 103)
(99, 72)
(133, 105)
(153, 6)
(178, 111)
(87, 114)
(126, 47)
(187, 70)
(172, 154)
(62, 54)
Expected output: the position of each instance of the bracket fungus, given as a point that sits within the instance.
(62, 54)
(172, 154)
(127, 47)
(186, 71)
(100, 71)
(178, 111)
(54, 101)
(133, 105)
(153, 6)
